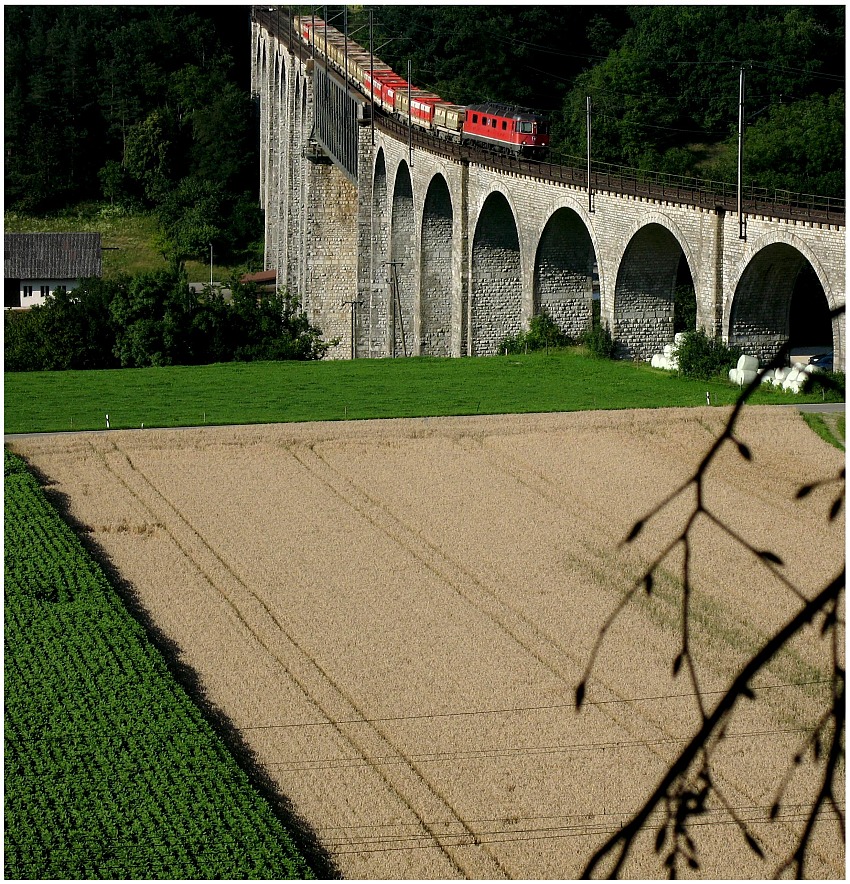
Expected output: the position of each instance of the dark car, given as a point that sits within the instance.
(823, 362)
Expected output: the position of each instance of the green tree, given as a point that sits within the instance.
(798, 146)
(150, 316)
(666, 97)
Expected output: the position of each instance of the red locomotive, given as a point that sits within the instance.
(507, 128)
(497, 126)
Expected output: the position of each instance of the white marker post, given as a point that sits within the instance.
(107, 422)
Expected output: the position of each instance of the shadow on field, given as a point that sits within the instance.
(302, 834)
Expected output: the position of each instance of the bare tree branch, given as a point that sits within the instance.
(687, 784)
(739, 688)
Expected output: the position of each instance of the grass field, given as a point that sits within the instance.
(282, 392)
(110, 770)
(130, 241)
(829, 427)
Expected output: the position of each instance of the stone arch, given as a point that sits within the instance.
(563, 271)
(758, 316)
(643, 305)
(435, 294)
(378, 343)
(496, 276)
(403, 255)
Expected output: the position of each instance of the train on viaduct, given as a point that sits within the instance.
(399, 243)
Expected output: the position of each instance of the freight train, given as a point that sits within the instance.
(498, 127)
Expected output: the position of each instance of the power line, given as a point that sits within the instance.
(516, 709)
(304, 764)
(606, 826)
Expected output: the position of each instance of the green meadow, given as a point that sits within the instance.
(279, 392)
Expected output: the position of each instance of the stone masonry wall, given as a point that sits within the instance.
(563, 273)
(435, 295)
(501, 264)
(403, 273)
(496, 285)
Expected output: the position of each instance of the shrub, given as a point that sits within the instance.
(830, 384)
(543, 333)
(703, 357)
(598, 341)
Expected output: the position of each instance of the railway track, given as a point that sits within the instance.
(715, 196)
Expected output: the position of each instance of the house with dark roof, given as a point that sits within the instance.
(36, 265)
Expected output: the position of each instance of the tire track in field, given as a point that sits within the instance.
(474, 590)
(521, 629)
(318, 688)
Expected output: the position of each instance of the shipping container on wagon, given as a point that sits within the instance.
(448, 119)
(387, 84)
(358, 63)
(421, 106)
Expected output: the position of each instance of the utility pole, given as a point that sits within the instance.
(741, 222)
(589, 189)
(345, 32)
(396, 302)
(352, 304)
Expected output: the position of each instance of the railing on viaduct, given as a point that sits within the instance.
(715, 195)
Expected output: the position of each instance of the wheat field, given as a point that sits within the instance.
(395, 616)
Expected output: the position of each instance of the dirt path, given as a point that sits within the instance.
(395, 614)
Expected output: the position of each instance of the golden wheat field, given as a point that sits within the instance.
(396, 614)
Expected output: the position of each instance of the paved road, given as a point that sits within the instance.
(824, 408)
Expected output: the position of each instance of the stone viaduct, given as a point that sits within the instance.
(397, 245)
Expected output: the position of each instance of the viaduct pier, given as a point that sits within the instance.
(399, 243)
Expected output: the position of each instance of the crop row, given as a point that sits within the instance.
(111, 770)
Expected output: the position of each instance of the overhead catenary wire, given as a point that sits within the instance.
(517, 709)
(292, 765)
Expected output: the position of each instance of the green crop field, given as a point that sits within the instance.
(110, 769)
(271, 392)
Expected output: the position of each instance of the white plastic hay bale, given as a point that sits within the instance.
(733, 375)
(669, 350)
(792, 386)
(657, 360)
(678, 338)
(748, 363)
(781, 373)
(673, 362)
(810, 369)
(746, 376)
(768, 378)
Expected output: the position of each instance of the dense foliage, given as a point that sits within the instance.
(542, 333)
(599, 341)
(110, 770)
(663, 80)
(144, 106)
(701, 356)
(155, 319)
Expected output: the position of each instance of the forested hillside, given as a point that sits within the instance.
(663, 80)
(149, 106)
(146, 106)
